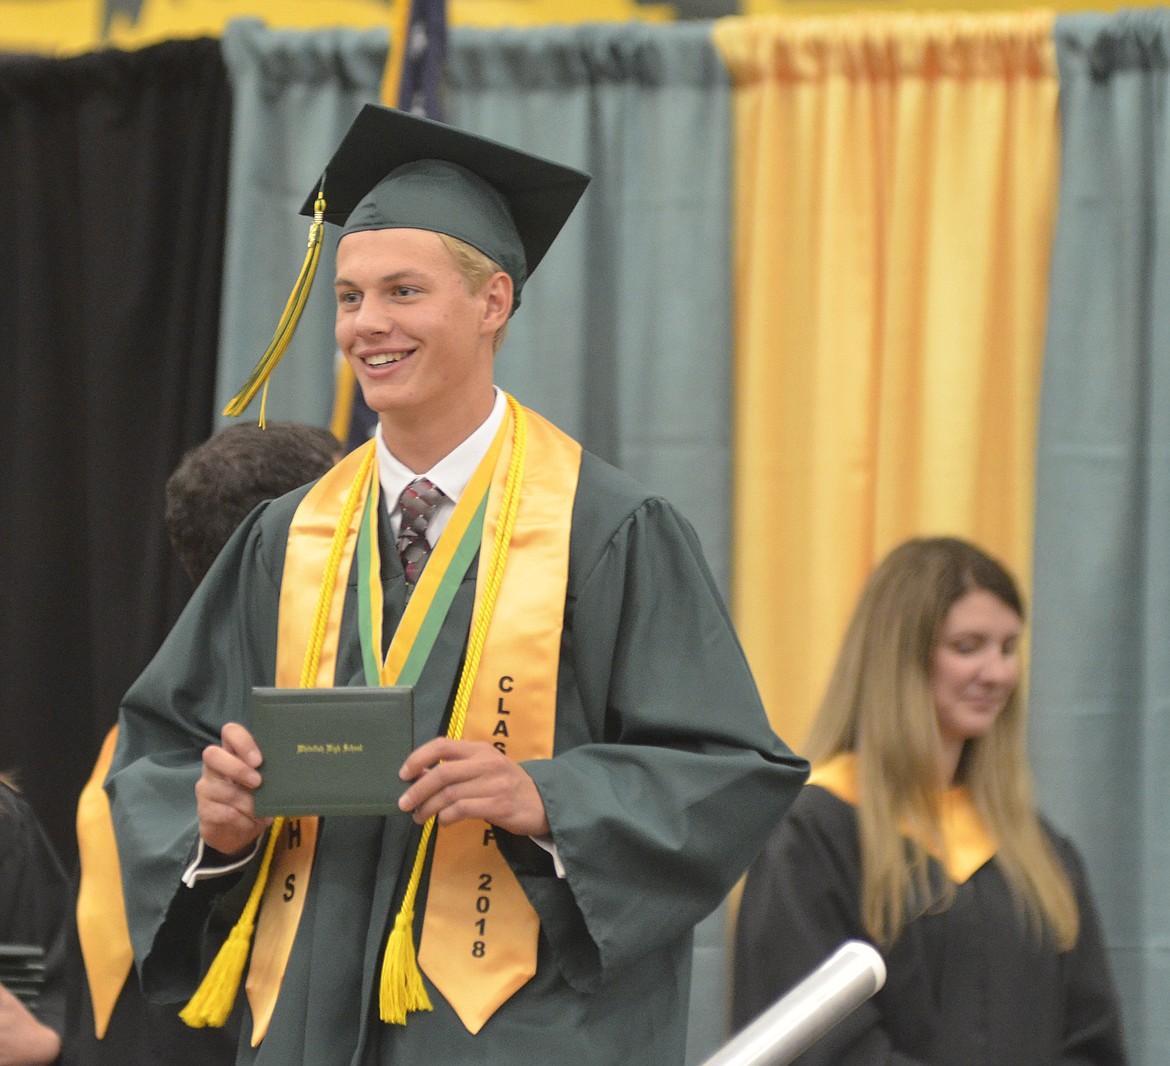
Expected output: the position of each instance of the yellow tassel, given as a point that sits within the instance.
(288, 320)
(401, 990)
(212, 1002)
(216, 994)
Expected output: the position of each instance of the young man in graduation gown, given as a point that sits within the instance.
(593, 769)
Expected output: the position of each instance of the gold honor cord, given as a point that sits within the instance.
(311, 554)
(288, 320)
(401, 990)
(213, 999)
(305, 561)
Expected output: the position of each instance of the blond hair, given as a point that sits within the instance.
(476, 269)
(878, 705)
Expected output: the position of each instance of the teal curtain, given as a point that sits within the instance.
(294, 95)
(1100, 693)
(624, 339)
(624, 336)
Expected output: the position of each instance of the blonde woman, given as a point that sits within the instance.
(918, 833)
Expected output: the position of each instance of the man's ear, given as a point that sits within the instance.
(497, 293)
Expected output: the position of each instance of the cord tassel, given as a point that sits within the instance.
(213, 999)
(288, 320)
(401, 990)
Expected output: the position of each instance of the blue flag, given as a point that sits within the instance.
(426, 47)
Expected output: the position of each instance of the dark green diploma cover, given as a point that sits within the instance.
(332, 750)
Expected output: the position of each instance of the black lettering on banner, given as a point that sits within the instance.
(501, 729)
(290, 887)
(294, 833)
(489, 834)
(483, 904)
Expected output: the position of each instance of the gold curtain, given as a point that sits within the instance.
(895, 190)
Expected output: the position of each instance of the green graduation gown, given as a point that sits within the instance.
(665, 781)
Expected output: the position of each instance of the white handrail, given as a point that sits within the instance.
(845, 980)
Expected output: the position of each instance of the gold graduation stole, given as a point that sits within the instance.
(479, 931)
(306, 658)
(479, 934)
(967, 844)
(101, 911)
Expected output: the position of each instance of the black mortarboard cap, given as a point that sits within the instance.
(395, 170)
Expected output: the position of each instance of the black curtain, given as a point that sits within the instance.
(113, 182)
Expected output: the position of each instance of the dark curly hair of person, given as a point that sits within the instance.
(218, 484)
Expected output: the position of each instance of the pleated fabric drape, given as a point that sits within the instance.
(1100, 693)
(113, 167)
(894, 196)
(625, 332)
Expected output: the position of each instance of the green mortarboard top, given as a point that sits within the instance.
(395, 170)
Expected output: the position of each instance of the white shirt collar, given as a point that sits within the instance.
(451, 473)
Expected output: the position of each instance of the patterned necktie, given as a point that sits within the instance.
(417, 504)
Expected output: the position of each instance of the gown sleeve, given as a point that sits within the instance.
(666, 775)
